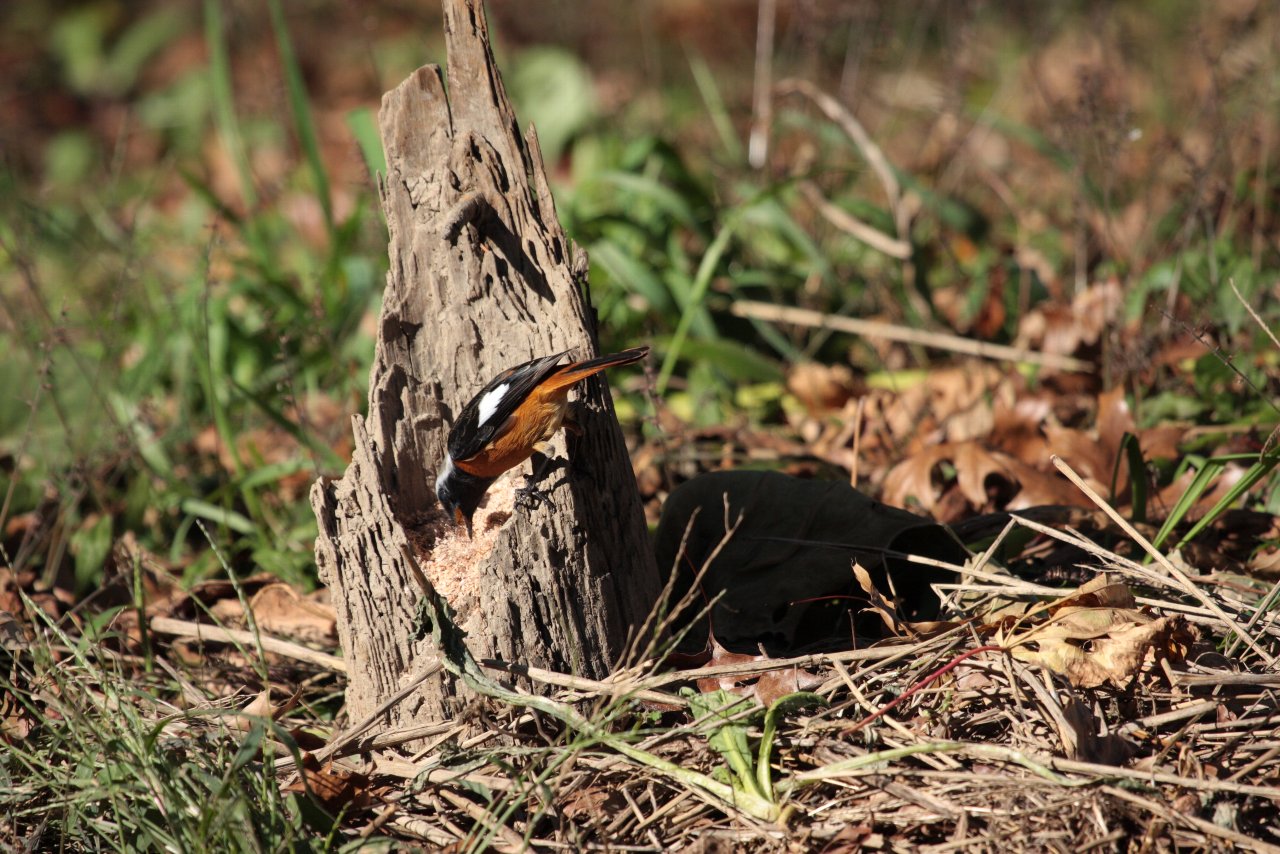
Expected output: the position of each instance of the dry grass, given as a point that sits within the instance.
(979, 750)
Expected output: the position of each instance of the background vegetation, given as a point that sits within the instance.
(192, 255)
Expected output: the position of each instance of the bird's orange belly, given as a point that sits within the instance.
(534, 422)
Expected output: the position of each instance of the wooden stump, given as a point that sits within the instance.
(482, 277)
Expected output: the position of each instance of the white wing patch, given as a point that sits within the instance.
(489, 403)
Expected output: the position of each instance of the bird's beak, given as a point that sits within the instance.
(460, 519)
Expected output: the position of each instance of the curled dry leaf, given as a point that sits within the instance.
(1083, 740)
(593, 800)
(979, 473)
(765, 687)
(280, 610)
(822, 388)
(332, 786)
(987, 480)
(262, 707)
(1062, 330)
(879, 604)
(1095, 636)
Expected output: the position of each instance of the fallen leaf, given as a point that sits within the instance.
(280, 610)
(590, 801)
(332, 786)
(1094, 646)
(1086, 744)
(1065, 330)
(879, 604)
(975, 467)
(822, 388)
(765, 686)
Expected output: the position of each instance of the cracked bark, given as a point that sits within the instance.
(482, 277)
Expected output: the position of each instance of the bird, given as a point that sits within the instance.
(510, 418)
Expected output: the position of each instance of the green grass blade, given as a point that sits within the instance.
(650, 189)
(701, 282)
(1255, 473)
(779, 708)
(224, 109)
(716, 109)
(1132, 451)
(221, 516)
(364, 127)
(300, 107)
(1209, 469)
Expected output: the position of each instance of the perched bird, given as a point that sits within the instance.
(519, 410)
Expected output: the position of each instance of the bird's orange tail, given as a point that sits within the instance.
(577, 371)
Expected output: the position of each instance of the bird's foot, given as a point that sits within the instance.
(530, 496)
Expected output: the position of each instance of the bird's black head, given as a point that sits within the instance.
(460, 493)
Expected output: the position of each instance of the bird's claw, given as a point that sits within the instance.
(529, 496)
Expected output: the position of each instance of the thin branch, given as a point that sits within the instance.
(906, 335)
(216, 634)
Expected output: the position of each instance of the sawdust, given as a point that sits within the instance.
(454, 563)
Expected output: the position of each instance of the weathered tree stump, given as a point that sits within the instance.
(482, 277)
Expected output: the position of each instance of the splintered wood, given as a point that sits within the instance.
(450, 559)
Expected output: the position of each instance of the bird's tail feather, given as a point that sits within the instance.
(575, 371)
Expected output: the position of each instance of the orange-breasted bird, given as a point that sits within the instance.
(519, 410)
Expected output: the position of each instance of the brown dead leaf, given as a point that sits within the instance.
(590, 801)
(1086, 744)
(914, 478)
(1016, 427)
(822, 388)
(879, 604)
(721, 657)
(854, 838)
(765, 686)
(1085, 454)
(1114, 419)
(1093, 646)
(780, 683)
(1042, 488)
(1093, 635)
(332, 786)
(280, 610)
(262, 707)
(1065, 330)
(1102, 591)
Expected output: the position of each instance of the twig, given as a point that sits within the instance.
(762, 103)
(1262, 680)
(1152, 777)
(1188, 586)
(594, 686)
(1174, 817)
(906, 335)
(888, 653)
(921, 685)
(338, 744)
(854, 227)
(508, 839)
(216, 634)
(1256, 319)
(851, 767)
(837, 113)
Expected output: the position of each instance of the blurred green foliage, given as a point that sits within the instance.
(190, 261)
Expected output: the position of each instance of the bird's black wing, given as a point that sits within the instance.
(471, 433)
